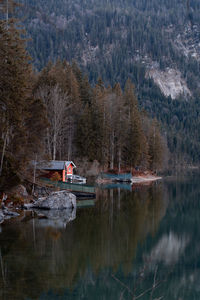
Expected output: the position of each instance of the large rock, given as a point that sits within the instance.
(56, 200)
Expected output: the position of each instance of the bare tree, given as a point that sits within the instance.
(57, 104)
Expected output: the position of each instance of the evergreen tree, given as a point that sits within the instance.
(85, 135)
(120, 124)
(14, 87)
(36, 124)
(15, 99)
(100, 98)
(156, 150)
(135, 135)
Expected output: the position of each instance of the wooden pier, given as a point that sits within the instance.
(72, 187)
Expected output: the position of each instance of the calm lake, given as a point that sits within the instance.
(134, 243)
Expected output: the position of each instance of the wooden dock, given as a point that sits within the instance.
(72, 187)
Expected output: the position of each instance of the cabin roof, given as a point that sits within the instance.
(54, 165)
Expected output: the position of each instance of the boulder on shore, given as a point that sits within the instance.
(56, 200)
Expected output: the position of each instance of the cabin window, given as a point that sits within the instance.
(69, 169)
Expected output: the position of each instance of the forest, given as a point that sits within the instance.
(57, 114)
(116, 40)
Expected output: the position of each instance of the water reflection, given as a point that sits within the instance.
(121, 186)
(39, 258)
(168, 249)
(55, 218)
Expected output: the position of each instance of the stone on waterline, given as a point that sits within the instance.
(56, 200)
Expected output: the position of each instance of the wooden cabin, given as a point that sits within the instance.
(64, 168)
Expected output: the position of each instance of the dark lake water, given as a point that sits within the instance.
(133, 244)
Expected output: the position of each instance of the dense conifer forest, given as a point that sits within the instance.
(96, 123)
(83, 93)
(58, 114)
(116, 40)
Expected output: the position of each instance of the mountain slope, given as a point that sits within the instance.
(156, 43)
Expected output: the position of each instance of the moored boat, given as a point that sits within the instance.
(77, 179)
(122, 177)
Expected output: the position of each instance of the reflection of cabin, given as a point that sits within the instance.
(64, 168)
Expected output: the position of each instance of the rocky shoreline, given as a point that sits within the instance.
(6, 214)
(56, 200)
(141, 179)
(44, 199)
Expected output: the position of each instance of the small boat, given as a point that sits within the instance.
(122, 177)
(77, 179)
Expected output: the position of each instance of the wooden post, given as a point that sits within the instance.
(63, 176)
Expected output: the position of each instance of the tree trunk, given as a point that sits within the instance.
(112, 151)
(3, 152)
(70, 138)
(119, 160)
(48, 143)
(34, 174)
(69, 147)
(54, 146)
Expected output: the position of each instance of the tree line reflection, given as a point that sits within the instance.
(37, 259)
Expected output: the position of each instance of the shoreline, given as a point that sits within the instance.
(135, 179)
(11, 210)
(140, 179)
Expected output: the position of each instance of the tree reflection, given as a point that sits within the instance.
(100, 238)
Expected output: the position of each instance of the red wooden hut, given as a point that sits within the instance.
(64, 168)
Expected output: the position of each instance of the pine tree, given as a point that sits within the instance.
(71, 83)
(100, 98)
(120, 122)
(84, 135)
(73, 110)
(36, 124)
(14, 86)
(155, 147)
(15, 95)
(134, 135)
